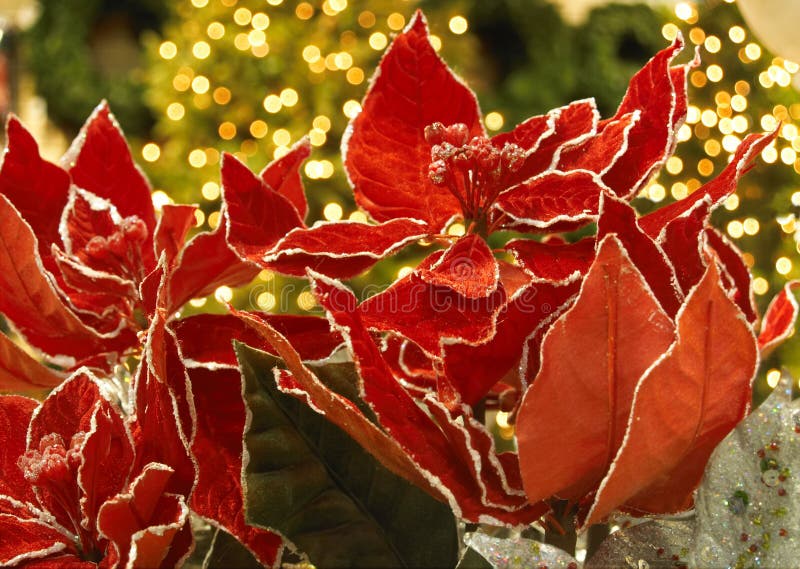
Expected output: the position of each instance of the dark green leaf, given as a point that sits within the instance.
(307, 479)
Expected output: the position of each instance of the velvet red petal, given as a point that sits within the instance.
(208, 338)
(28, 297)
(779, 320)
(218, 447)
(553, 197)
(100, 162)
(468, 267)
(553, 261)
(206, 263)
(474, 370)
(283, 175)
(683, 407)
(258, 216)
(159, 422)
(29, 539)
(619, 218)
(385, 152)
(68, 409)
(20, 372)
(85, 216)
(430, 315)
(716, 190)
(142, 522)
(36, 188)
(682, 240)
(592, 359)
(528, 134)
(738, 281)
(652, 140)
(106, 461)
(172, 228)
(341, 249)
(15, 414)
(568, 126)
(103, 289)
(599, 153)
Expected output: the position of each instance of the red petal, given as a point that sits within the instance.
(341, 249)
(528, 134)
(85, 216)
(217, 447)
(553, 197)
(163, 418)
(468, 267)
(738, 281)
(386, 154)
(206, 263)
(29, 539)
(142, 523)
(555, 262)
(474, 370)
(100, 161)
(717, 190)
(682, 241)
(416, 432)
(569, 126)
(20, 372)
(652, 140)
(706, 378)
(283, 175)
(779, 320)
(258, 216)
(174, 225)
(106, 461)
(104, 289)
(37, 188)
(600, 152)
(208, 338)
(619, 218)
(28, 297)
(431, 315)
(592, 359)
(15, 414)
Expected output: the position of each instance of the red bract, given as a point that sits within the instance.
(70, 490)
(418, 159)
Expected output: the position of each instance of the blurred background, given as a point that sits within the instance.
(188, 79)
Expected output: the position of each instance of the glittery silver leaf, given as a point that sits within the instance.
(657, 543)
(519, 553)
(748, 504)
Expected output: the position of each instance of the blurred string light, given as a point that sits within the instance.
(719, 127)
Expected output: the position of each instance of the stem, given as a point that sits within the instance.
(597, 534)
(566, 538)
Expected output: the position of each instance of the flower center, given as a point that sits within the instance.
(121, 252)
(474, 170)
(52, 470)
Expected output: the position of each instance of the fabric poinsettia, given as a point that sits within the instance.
(652, 365)
(81, 274)
(73, 492)
(418, 159)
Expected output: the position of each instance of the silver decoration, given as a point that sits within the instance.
(649, 545)
(519, 553)
(748, 504)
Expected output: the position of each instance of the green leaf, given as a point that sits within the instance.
(307, 479)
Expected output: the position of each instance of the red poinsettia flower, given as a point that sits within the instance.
(665, 307)
(418, 159)
(82, 240)
(72, 492)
